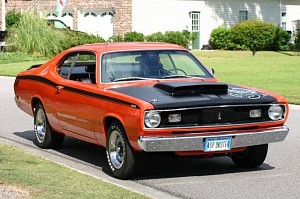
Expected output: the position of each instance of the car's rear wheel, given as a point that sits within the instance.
(252, 157)
(45, 136)
(120, 156)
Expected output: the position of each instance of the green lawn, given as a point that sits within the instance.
(12, 63)
(278, 72)
(45, 179)
(272, 71)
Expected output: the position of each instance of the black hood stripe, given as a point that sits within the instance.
(163, 99)
(76, 90)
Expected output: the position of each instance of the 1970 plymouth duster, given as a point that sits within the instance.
(150, 97)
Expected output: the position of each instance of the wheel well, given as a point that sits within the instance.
(108, 121)
(34, 102)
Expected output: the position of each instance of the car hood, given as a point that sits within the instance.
(165, 95)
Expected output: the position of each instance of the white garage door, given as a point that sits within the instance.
(96, 23)
(66, 17)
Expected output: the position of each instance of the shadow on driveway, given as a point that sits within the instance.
(151, 166)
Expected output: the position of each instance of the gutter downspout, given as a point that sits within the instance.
(280, 13)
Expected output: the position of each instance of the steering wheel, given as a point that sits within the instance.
(176, 69)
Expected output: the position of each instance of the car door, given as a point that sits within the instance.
(74, 102)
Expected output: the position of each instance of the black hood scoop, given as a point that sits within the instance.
(192, 88)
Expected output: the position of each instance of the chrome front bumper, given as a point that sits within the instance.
(240, 138)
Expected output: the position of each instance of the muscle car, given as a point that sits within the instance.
(137, 98)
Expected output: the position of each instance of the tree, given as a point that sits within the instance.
(297, 41)
(253, 34)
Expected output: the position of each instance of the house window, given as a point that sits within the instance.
(195, 21)
(243, 15)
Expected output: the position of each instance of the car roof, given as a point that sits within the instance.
(120, 46)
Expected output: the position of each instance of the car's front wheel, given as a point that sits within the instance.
(45, 136)
(120, 156)
(252, 157)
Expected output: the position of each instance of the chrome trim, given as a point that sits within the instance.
(218, 106)
(240, 138)
(221, 106)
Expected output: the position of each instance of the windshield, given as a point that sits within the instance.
(150, 64)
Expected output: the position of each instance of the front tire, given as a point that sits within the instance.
(120, 156)
(252, 157)
(45, 137)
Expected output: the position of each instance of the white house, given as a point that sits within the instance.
(202, 16)
(108, 17)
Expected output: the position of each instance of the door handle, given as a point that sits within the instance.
(59, 88)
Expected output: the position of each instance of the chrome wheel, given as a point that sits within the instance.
(40, 125)
(46, 138)
(116, 149)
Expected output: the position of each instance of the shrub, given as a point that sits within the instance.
(220, 38)
(75, 38)
(156, 37)
(183, 38)
(33, 35)
(281, 40)
(115, 38)
(133, 36)
(12, 18)
(297, 41)
(254, 35)
(174, 37)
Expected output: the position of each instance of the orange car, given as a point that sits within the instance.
(151, 97)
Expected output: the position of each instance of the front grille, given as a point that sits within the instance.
(213, 116)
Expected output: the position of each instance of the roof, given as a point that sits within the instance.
(118, 46)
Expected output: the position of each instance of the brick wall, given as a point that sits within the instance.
(122, 18)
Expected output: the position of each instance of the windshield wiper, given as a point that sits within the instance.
(175, 76)
(129, 79)
(181, 76)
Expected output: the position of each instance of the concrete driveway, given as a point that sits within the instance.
(161, 177)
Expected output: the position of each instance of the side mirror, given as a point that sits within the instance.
(212, 71)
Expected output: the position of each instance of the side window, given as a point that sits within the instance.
(66, 65)
(79, 66)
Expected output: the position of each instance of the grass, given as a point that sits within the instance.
(16, 57)
(12, 63)
(33, 35)
(278, 72)
(272, 71)
(45, 179)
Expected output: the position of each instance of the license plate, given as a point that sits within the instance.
(217, 144)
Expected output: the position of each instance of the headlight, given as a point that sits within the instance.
(275, 112)
(152, 119)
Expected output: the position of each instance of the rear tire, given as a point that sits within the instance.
(119, 154)
(252, 157)
(45, 137)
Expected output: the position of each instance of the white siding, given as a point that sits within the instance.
(227, 12)
(292, 9)
(149, 16)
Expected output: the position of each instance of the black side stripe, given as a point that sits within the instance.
(76, 90)
(38, 79)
